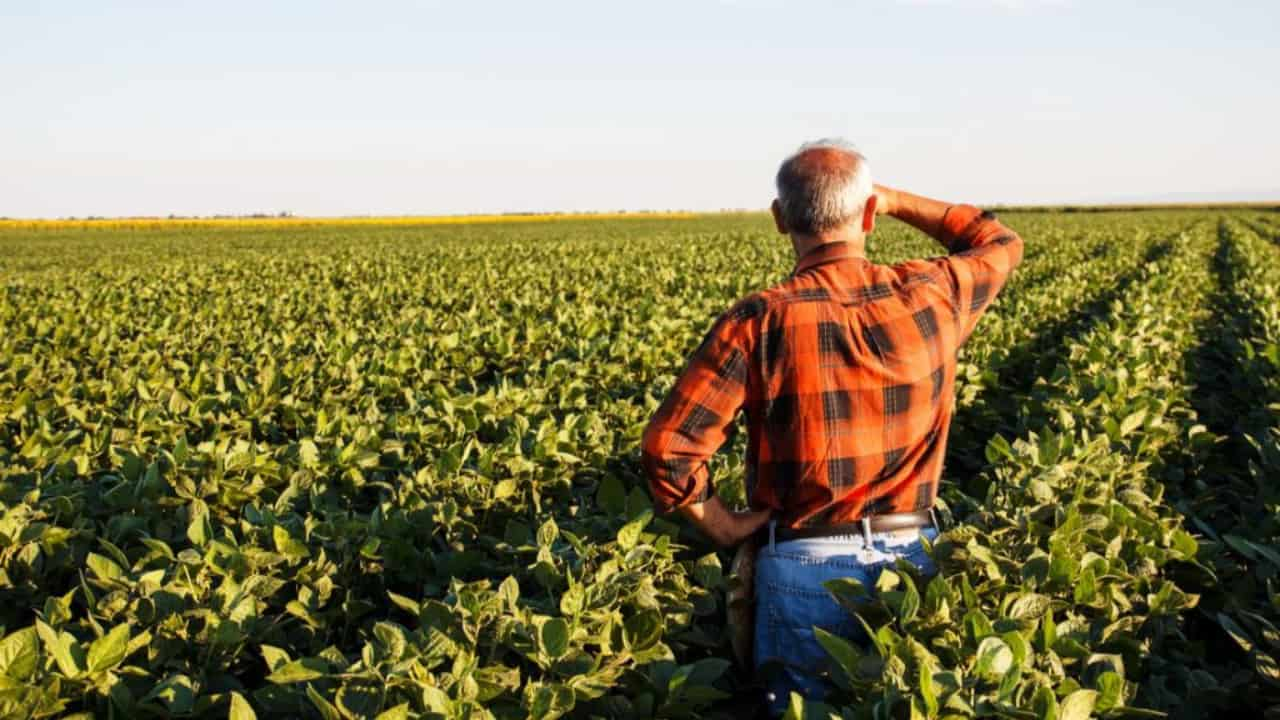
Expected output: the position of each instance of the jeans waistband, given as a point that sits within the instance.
(890, 539)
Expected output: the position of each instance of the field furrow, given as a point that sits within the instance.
(1028, 334)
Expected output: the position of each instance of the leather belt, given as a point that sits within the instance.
(887, 522)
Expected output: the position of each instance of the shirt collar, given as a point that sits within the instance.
(826, 253)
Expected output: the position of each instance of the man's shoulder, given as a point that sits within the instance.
(877, 282)
(771, 299)
(752, 306)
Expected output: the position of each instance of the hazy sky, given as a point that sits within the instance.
(116, 108)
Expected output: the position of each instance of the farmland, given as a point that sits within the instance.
(390, 470)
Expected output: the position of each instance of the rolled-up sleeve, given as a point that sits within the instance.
(693, 422)
(983, 253)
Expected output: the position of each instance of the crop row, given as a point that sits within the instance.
(1228, 492)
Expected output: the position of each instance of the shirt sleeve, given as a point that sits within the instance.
(694, 420)
(983, 253)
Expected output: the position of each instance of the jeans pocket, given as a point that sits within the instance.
(794, 615)
(795, 610)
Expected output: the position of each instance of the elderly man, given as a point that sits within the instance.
(846, 373)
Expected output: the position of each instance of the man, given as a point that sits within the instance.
(846, 373)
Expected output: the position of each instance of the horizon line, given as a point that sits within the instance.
(285, 217)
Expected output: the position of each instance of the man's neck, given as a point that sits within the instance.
(805, 244)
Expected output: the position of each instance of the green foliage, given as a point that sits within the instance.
(349, 472)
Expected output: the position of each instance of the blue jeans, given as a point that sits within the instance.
(790, 601)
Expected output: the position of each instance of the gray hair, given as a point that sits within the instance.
(817, 197)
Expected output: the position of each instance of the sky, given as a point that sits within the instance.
(319, 108)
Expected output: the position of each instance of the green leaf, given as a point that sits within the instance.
(554, 637)
(360, 700)
(392, 637)
(1185, 544)
(64, 649)
(795, 707)
(505, 488)
(629, 535)
(109, 650)
(708, 670)
(399, 712)
(887, 581)
(998, 449)
(850, 593)
(573, 601)
(638, 501)
(1029, 606)
(199, 529)
(273, 656)
(1078, 705)
(308, 453)
(437, 701)
(928, 689)
(1009, 682)
(1128, 425)
(509, 591)
(176, 691)
(1241, 545)
(102, 567)
(611, 496)
(1045, 704)
(240, 708)
(977, 626)
(547, 702)
(547, 533)
(642, 630)
(910, 601)
(327, 710)
(1239, 635)
(994, 658)
(1048, 635)
(287, 545)
(300, 670)
(1112, 428)
(19, 654)
(406, 604)
(1265, 552)
(1110, 686)
(840, 650)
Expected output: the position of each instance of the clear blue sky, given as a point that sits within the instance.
(119, 107)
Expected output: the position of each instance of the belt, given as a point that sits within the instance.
(887, 522)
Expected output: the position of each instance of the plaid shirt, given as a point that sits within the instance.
(846, 372)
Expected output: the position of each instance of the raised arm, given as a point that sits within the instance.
(922, 213)
(982, 251)
(690, 427)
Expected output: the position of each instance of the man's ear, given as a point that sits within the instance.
(778, 222)
(869, 215)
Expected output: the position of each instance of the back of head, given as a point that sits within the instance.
(823, 187)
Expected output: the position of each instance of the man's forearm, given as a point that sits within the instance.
(922, 213)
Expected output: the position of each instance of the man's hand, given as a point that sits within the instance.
(723, 526)
(886, 199)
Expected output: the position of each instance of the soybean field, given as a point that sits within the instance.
(390, 469)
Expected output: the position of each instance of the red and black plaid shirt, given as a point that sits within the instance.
(846, 372)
